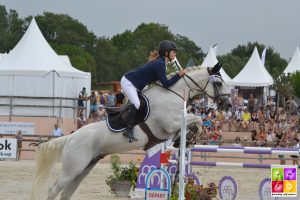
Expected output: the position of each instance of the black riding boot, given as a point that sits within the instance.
(130, 119)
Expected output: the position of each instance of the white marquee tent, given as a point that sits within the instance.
(254, 74)
(294, 64)
(210, 60)
(33, 69)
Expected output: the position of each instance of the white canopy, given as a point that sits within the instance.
(294, 64)
(34, 54)
(254, 74)
(33, 69)
(210, 60)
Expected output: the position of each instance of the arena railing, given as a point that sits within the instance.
(11, 103)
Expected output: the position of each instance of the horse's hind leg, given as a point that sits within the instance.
(66, 179)
(72, 187)
(58, 186)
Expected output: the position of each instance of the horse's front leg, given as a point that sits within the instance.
(193, 119)
(192, 128)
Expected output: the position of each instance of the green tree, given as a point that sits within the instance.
(273, 63)
(107, 59)
(80, 58)
(232, 64)
(283, 85)
(63, 29)
(3, 28)
(134, 47)
(11, 29)
(188, 49)
(295, 81)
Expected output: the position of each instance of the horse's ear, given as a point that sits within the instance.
(216, 68)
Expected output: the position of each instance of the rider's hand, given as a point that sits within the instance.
(181, 72)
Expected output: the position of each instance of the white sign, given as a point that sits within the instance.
(8, 148)
(154, 195)
(27, 128)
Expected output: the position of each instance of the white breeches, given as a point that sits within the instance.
(131, 92)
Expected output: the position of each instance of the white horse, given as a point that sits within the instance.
(80, 151)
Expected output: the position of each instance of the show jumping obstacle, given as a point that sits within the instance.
(235, 149)
(241, 149)
(172, 167)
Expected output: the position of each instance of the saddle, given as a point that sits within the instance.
(115, 115)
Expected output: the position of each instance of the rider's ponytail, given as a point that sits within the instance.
(153, 55)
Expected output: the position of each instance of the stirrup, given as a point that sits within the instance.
(131, 138)
(129, 135)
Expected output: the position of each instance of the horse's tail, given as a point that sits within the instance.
(47, 155)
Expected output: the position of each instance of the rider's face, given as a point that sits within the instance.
(172, 54)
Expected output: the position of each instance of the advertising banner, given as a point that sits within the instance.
(27, 128)
(8, 148)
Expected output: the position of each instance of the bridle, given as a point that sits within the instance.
(202, 90)
(218, 97)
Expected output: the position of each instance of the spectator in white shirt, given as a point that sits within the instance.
(270, 136)
(238, 118)
(228, 118)
(57, 132)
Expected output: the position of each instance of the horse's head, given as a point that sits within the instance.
(208, 83)
(222, 96)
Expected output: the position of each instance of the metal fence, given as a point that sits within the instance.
(27, 106)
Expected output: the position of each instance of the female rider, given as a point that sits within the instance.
(154, 70)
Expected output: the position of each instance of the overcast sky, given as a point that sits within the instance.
(227, 23)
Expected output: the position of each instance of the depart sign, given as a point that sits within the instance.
(156, 194)
(159, 189)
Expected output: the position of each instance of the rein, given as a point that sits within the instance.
(170, 90)
(199, 88)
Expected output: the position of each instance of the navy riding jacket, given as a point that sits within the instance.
(149, 73)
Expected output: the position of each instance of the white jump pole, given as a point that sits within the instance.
(182, 152)
(182, 145)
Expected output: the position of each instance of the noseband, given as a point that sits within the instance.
(212, 78)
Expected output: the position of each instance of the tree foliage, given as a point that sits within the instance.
(283, 85)
(63, 29)
(295, 82)
(109, 58)
(239, 56)
(79, 57)
(11, 29)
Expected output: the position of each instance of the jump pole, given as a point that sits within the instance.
(241, 149)
(182, 152)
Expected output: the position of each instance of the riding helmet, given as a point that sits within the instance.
(166, 45)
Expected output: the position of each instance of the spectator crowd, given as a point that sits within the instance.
(269, 125)
(98, 101)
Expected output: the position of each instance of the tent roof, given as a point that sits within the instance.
(34, 56)
(2, 55)
(294, 64)
(190, 63)
(254, 74)
(210, 60)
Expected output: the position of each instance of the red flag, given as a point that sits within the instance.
(164, 158)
